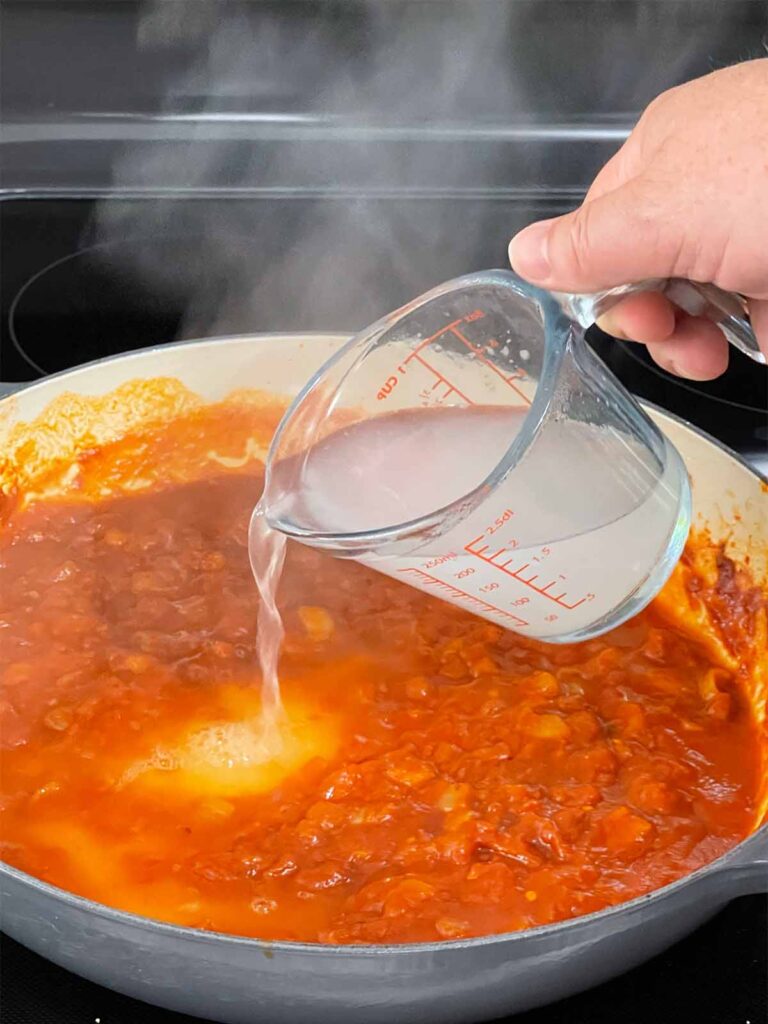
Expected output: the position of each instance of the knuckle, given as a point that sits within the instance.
(659, 227)
(580, 240)
(659, 108)
(703, 258)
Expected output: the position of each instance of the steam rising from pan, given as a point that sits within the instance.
(351, 113)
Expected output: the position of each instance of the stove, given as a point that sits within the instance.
(66, 299)
(143, 204)
(70, 296)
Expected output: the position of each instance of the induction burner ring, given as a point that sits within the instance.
(630, 348)
(20, 294)
(98, 306)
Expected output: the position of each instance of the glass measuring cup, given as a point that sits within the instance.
(472, 445)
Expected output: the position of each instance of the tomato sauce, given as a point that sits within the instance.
(436, 777)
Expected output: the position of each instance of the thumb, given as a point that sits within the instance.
(618, 238)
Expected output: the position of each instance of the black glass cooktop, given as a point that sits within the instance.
(80, 282)
(70, 294)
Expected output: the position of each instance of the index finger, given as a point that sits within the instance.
(648, 317)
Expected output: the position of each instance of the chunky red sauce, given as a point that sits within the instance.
(441, 777)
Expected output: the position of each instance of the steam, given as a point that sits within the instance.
(349, 114)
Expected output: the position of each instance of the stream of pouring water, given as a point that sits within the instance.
(266, 549)
(383, 472)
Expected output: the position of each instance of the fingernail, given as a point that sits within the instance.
(608, 323)
(528, 252)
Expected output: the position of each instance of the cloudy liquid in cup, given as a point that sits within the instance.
(394, 468)
(573, 539)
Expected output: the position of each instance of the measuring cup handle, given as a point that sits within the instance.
(727, 309)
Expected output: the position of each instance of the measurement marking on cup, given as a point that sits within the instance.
(440, 378)
(492, 559)
(433, 581)
(434, 337)
(484, 359)
(477, 351)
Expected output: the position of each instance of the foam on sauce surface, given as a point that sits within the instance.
(433, 776)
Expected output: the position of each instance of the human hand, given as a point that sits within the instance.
(685, 196)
